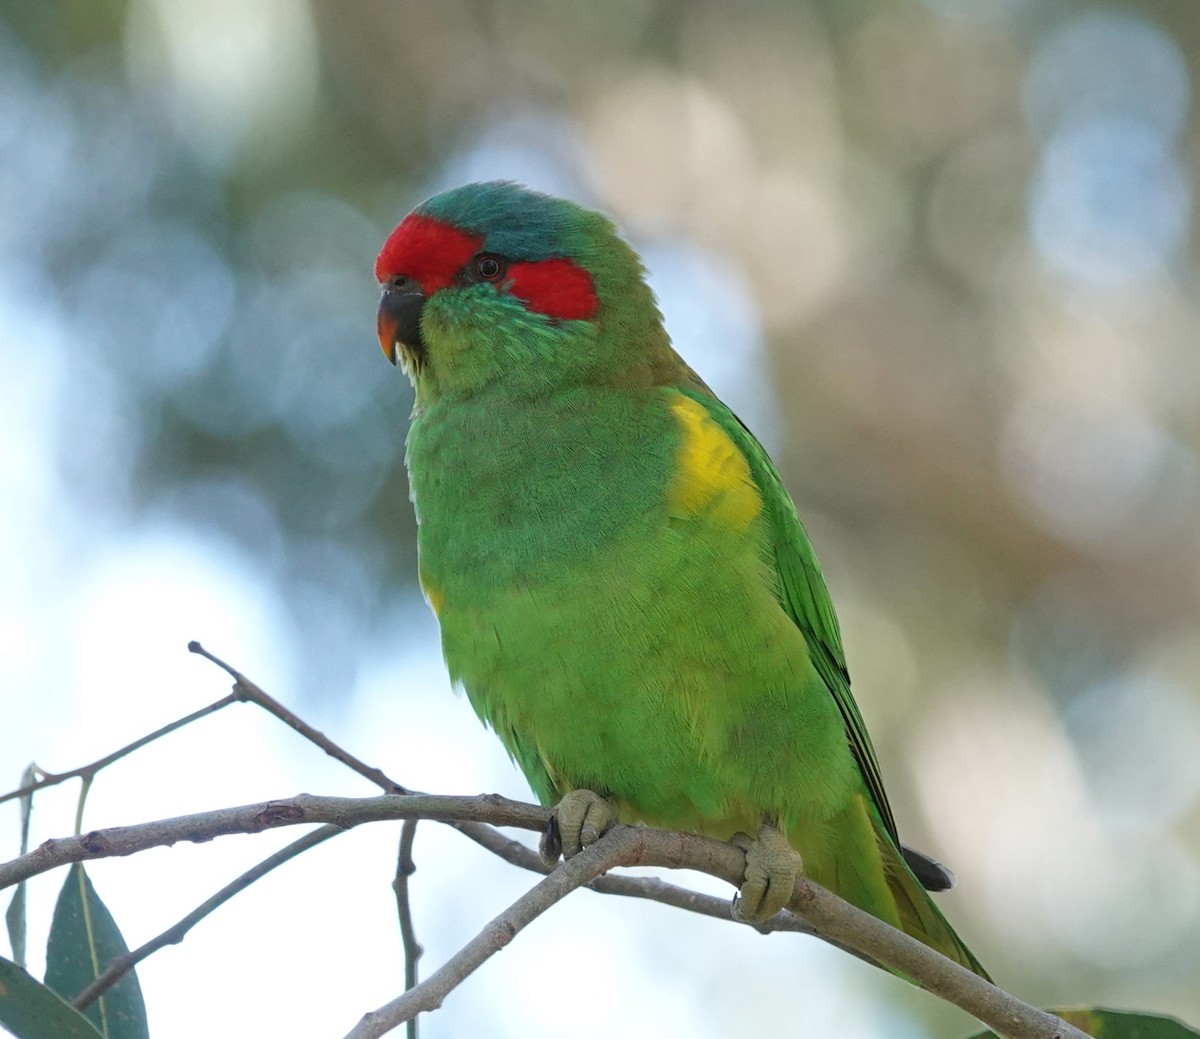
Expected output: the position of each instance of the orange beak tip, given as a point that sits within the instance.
(385, 328)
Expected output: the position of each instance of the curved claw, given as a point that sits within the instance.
(550, 845)
(772, 866)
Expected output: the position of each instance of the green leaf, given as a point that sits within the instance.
(84, 938)
(14, 917)
(1101, 1023)
(29, 1010)
(14, 920)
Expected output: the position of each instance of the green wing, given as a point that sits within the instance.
(802, 592)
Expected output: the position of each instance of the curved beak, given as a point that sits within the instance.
(398, 323)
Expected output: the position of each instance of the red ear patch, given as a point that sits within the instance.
(557, 288)
(427, 250)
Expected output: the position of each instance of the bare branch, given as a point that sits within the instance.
(344, 812)
(824, 914)
(88, 771)
(830, 917)
(428, 995)
(651, 888)
(836, 920)
(513, 852)
(655, 890)
(405, 868)
(176, 932)
(244, 689)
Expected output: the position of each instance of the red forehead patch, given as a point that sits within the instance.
(427, 250)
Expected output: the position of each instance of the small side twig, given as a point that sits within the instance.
(244, 689)
(405, 868)
(174, 934)
(609, 851)
(89, 771)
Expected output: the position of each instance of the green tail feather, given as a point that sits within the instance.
(919, 916)
(863, 865)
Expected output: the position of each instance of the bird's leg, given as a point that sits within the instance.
(579, 819)
(772, 866)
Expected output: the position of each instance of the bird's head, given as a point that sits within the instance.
(493, 282)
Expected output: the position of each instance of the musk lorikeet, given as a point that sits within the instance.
(624, 588)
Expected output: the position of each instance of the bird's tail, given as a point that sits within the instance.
(867, 869)
(919, 916)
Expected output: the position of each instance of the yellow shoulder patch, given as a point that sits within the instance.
(432, 595)
(713, 475)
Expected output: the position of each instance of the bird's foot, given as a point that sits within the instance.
(579, 819)
(772, 866)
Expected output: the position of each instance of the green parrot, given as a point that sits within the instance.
(623, 586)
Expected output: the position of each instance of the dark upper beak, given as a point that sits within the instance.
(399, 320)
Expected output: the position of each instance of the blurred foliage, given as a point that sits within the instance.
(966, 229)
(1113, 1024)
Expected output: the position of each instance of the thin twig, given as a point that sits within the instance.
(512, 852)
(429, 995)
(244, 689)
(651, 888)
(344, 812)
(91, 948)
(87, 771)
(655, 890)
(174, 934)
(405, 868)
(15, 916)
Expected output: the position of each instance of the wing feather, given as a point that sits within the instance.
(802, 592)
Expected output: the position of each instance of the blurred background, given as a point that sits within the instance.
(939, 254)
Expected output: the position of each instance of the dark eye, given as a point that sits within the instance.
(489, 267)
